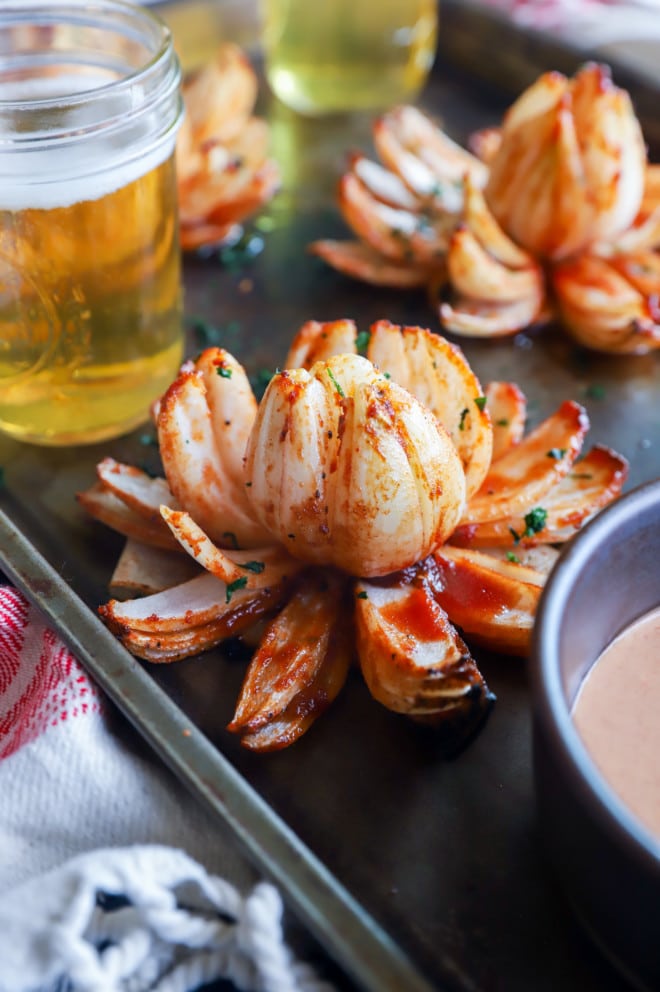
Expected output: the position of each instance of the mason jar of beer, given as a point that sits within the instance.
(90, 284)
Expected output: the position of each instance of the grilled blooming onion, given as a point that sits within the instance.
(224, 172)
(556, 215)
(369, 507)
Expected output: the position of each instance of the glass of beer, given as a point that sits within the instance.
(345, 55)
(91, 328)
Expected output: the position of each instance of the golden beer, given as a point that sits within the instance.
(348, 54)
(90, 283)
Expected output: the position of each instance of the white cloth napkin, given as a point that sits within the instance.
(111, 878)
(587, 22)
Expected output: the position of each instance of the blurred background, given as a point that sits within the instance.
(503, 42)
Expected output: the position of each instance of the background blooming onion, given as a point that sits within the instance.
(369, 506)
(556, 215)
(224, 172)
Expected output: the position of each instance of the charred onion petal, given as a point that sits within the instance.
(139, 491)
(223, 171)
(476, 274)
(485, 143)
(651, 197)
(492, 601)
(316, 341)
(400, 235)
(592, 483)
(197, 234)
(414, 661)
(254, 569)
(199, 601)
(175, 645)
(571, 164)
(349, 469)
(219, 98)
(488, 233)
(540, 557)
(385, 185)
(360, 261)
(437, 374)
(421, 180)
(227, 197)
(406, 133)
(524, 474)
(232, 406)
(291, 652)
(312, 699)
(507, 405)
(194, 462)
(142, 570)
(641, 269)
(612, 147)
(483, 319)
(643, 235)
(603, 309)
(102, 504)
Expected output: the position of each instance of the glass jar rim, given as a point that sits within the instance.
(83, 13)
(96, 90)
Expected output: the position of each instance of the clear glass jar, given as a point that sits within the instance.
(343, 55)
(90, 271)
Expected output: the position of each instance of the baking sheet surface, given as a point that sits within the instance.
(443, 854)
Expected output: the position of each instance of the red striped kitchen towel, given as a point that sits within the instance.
(110, 877)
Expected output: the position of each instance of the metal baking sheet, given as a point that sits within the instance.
(412, 869)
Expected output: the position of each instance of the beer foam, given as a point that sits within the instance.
(46, 178)
(32, 189)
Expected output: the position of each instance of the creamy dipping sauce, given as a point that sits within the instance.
(617, 714)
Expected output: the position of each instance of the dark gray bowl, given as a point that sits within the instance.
(608, 862)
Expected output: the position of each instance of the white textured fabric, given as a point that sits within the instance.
(86, 810)
(87, 782)
(587, 23)
(143, 918)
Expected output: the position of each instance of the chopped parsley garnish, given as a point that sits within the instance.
(362, 341)
(254, 566)
(386, 375)
(535, 521)
(511, 557)
(556, 453)
(335, 383)
(461, 423)
(595, 391)
(481, 402)
(502, 422)
(515, 535)
(205, 333)
(233, 587)
(208, 335)
(362, 595)
(244, 251)
(231, 537)
(224, 372)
